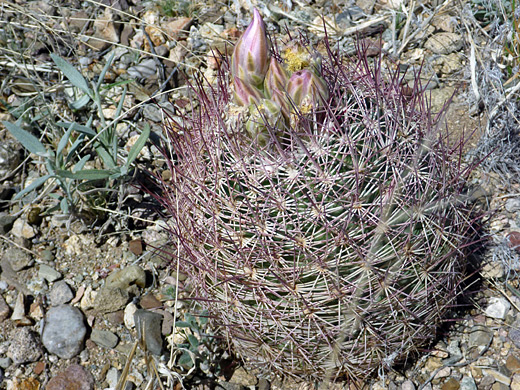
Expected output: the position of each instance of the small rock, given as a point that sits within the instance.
(18, 315)
(149, 301)
(444, 43)
(468, 383)
(515, 382)
(264, 384)
(244, 378)
(136, 247)
(64, 331)
(5, 310)
(18, 259)
(150, 322)
(500, 386)
(112, 377)
(130, 310)
(513, 363)
(25, 384)
(39, 367)
(48, 273)
(178, 26)
(126, 277)
(450, 384)
(61, 293)
(105, 31)
(444, 372)
(5, 362)
(486, 382)
(407, 385)
(499, 377)
(25, 346)
(74, 377)
(104, 338)
(492, 270)
(110, 299)
(512, 205)
(513, 241)
(22, 229)
(479, 336)
(88, 299)
(6, 223)
(497, 308)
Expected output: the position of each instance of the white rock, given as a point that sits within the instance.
(497, 308)
(408, 385)
(22, 229)
(129, 315)
(87, 301)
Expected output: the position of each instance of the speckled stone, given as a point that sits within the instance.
(74, 377)
(25, 346)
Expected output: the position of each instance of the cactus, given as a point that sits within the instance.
(335, 245)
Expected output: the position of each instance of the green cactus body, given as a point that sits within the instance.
(335, 252)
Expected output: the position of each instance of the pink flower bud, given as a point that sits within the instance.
(307, 90)
(275, 79)
(245, 94)
(250, 58)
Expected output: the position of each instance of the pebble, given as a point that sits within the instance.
(5, 310)
(407, 385)
(497, 308)
(6, 223)
(150, 322)
(499, 377)
(104, 338)
(126, 277)
(444, 372)
(48, 273)
(450, 384)
(444, 43)
(244, 378)
(513, 205)
(74, 377)
(130, 310)
(64, 331)
(149, 301)
(5, 362)
(18, 259)
(110, 299)
(61, 293)
(25, 346)
(112, 377)
(22, 229)
(468, 383)
(513, 364)
(479, 335)
(515, 382)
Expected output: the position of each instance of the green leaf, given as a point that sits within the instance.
(34, 185)
(87, 174)
(75, 146)
(105, 156)
(29, 141)
(64, 140)
(80, 128)
(182, 324)
(120, 104)
(64, 206)
(203, 318)
(104, 71)
(80, 164)
(72, 74)
(117, 84)
(193, 341)
(139, 144)
(78, 104)
(185, 360)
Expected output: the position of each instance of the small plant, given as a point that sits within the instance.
(200, 348)
(324, 222)
(66, 163)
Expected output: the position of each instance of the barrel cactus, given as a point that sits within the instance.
(319, 210)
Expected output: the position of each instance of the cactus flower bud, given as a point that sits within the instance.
(245, 94)
(307, 90)
(275, 79)
(250, 58)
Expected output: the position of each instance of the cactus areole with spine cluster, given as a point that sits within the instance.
(318, 210)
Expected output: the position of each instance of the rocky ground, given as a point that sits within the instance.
(91, 303)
